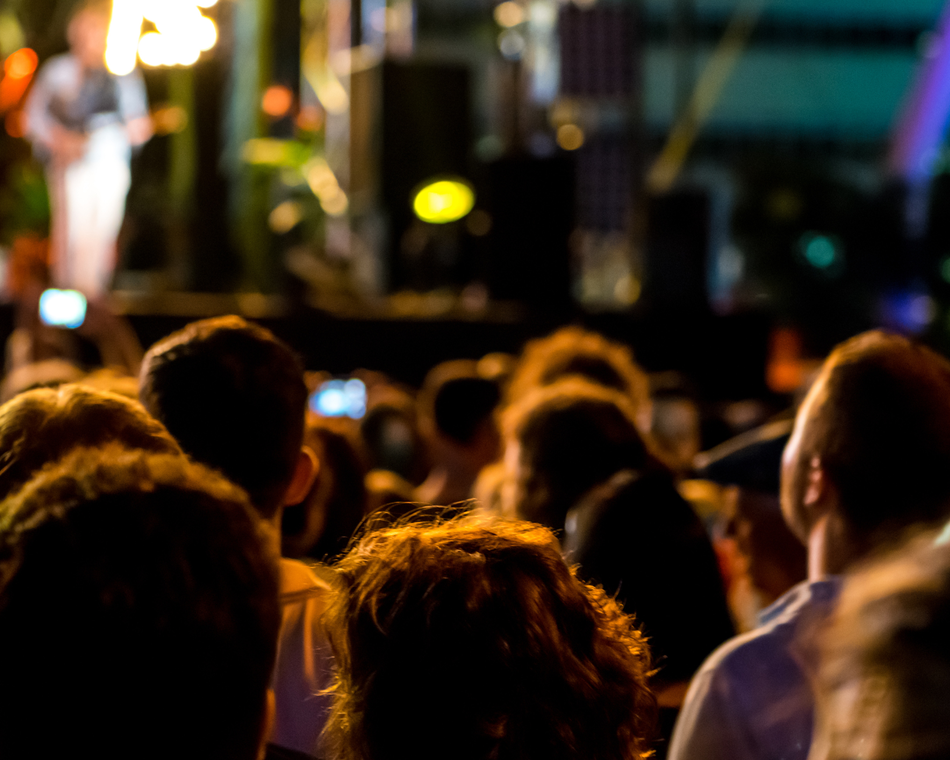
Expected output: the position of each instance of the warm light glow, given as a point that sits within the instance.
(20, 64)
(509, 14)
(277, 101)
(15, 124)
(122, 43)
(443, 201)
(285, 217)
(570, 136)
(335, 204)
(169, 120)
(183, 33)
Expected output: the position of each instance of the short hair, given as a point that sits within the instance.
(885, 660)
(234, 397)
(457, 399)
(574, 351)
(882, 432)
(573, 435)
(42, 425)
(472, 640)
(138, 612)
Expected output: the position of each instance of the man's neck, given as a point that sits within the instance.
(830, 549)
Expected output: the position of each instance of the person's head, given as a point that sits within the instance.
(322, 524)
(456, 409)
(138, 612)
(576, 352)
(43, 425)
(561, 441)
(885, 661)
(234, 397)
(87, 31)
(475, 640)
(871, 442)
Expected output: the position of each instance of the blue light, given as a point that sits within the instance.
(340, 398)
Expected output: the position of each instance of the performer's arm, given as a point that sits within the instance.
(43, 130)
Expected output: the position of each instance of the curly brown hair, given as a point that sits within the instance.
(473, 639)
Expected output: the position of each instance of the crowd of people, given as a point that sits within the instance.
(518, 560)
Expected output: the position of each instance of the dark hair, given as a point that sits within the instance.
(42, 425)
(138, 612)
(573, 435)
(456, 399)
(323, 523)
(574, 351)
(234, 397)
(473, 640)
(882, 431)
(885, 660)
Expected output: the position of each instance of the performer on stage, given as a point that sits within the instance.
(83, 122)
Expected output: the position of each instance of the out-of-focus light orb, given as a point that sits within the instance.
(277, 101)
(570, 136)
(20, 64)
(206, 33)
(152, 49)
(335, 204)
(509, 14)
(15, 124)
(821, 252)
(511, 44)
(169, 120)
(945, 269)
(122, 41)
(285, 217)
(443, 201)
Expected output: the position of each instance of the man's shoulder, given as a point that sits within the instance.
(59, 68)
(774, 644)
(298, 582)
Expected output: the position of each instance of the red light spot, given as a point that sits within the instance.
(21, 63)
(277, 101)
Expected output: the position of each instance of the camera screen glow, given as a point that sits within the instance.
(340, 398)
(66, 308)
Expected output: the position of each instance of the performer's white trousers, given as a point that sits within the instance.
(87, 200)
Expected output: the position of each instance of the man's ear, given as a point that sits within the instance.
(305, 473)
(817, 487)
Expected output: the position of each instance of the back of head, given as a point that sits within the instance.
(234, 397)
(475, 640)
(571, 435)
(885, 666)
(41, 426)
(573, 351)
(880, 425)
(455, 400)
(138, 612)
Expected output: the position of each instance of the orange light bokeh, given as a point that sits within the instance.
(21, 63)
(277, 101)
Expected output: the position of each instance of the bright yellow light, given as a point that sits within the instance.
(183, 32)
(570, 136)
(509, 14)
(122, 42)
(443, 201)
(152, 49)
(206, 33)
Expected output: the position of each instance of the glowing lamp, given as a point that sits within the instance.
(443, 201)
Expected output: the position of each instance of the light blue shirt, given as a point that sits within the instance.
(751, 699)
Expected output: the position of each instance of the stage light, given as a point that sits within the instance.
(336, 203)
(443, 201)
(822, 252)
(277, 101)
(20, 64)
(63, 307)
(509, 14)
(511, 44)
(285, 217)
(152, 49)
(570, 136)
(122, 42)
